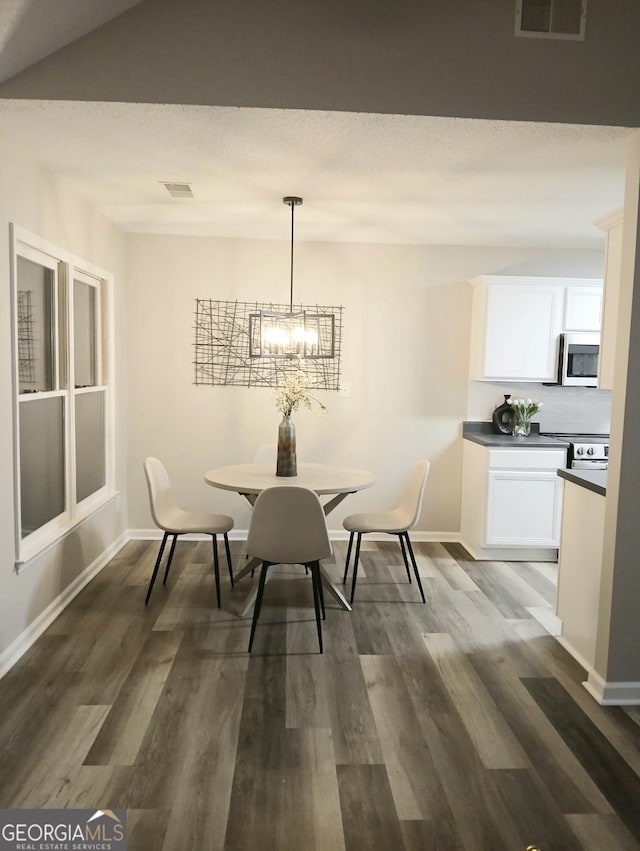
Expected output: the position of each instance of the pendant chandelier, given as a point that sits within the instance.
(308, 332)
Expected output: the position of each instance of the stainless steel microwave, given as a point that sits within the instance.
(578, 357)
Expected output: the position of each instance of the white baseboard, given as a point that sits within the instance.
(334, 534)
(546, 554)
(606, 693)
(611, 693)
(23, 642)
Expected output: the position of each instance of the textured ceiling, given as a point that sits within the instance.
(364, 177)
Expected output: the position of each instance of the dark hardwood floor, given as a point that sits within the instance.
(459, 724)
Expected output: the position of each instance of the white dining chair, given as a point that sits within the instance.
(288, 526)
(397, 521)
(174, 521)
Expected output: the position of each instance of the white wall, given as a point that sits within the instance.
(31, 199)
(406, 331)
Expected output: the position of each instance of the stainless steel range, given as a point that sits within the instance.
(586, 451)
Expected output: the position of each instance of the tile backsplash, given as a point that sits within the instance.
(565, 409)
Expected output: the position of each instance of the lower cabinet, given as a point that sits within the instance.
(523, 508)
(511, 502)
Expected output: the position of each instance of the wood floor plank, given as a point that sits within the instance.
(307, 692)
(367, 622)
(310, 813)
(110, 661)
(613, 722)
(533, 815)
(429, 836)
(633, 713)
(259, 755)
(193, 733)
(543, 584)
(287, 794)
(600, 832)
(30, 731)
(65, 754)
(80, 787)
(473, 810)
(29, 680)
(355, 737)
(549, 657)
(476, 626)
(445, 565)
(492, 737)
(414, 783)
(404, 625)
(614, 777)
(120, 737)
(146, 829)
(368, 816)
(550, 757)
(499, 587)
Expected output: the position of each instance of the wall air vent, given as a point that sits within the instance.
(178, 190)
(551, 19)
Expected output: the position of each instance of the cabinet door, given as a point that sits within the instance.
(522, 327)
(583, 309)
(524, 508)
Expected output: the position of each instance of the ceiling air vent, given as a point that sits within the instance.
(178, 190)
(551, 18)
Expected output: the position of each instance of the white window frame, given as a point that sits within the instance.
(67, 268)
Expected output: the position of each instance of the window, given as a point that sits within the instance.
(63, 457)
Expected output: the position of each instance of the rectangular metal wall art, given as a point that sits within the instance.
(229, 350)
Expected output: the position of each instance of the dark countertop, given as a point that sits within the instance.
(485, 434)
(593, 480)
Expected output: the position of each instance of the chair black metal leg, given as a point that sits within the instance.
(355, 567)
(346, 564)
(156, 566)
(415, 566)
(258, 603)
(404, 556)
(166, 572)
(316, 581)
(321, 590)
(226, 546)
(216, 567)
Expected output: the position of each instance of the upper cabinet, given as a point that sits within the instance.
(516, 321)
(612, 225)
(583, 309)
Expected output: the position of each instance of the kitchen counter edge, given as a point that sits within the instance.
(484, 434)
(593, 480)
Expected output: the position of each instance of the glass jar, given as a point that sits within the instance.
(521, 425)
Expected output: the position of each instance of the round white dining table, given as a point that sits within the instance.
(249, 480)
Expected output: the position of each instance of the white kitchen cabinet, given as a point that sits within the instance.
(612, 225)
(514, 329)
(516, 323)
(583, 309)
(511, 502)
(523, 508)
